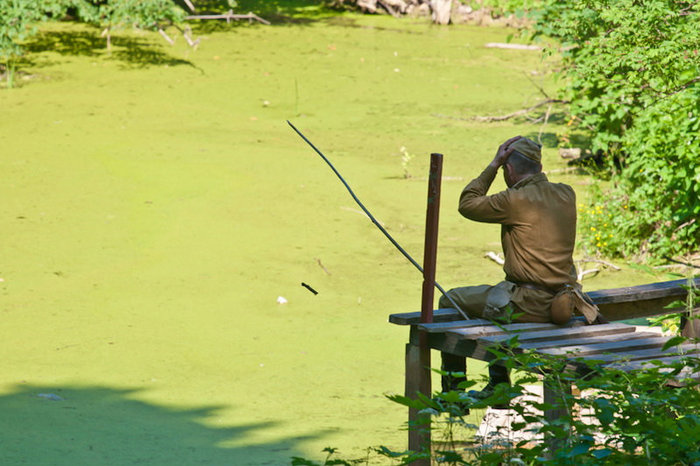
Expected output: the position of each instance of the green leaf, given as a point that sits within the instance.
(673, 341)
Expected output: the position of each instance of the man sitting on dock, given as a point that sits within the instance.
(538, 233)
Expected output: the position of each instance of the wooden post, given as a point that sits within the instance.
(556, 397)
(690, 324)
(432, 219)
(418, 358)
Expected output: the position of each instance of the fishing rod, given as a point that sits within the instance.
(374, 220)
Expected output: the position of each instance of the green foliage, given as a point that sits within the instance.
(632, 72)
(621, 417)
(652, 207)
(18, 19)
(140, 14)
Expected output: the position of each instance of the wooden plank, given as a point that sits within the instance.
(647, 292)
(646, 363)
(637, 309)
(560, 335)
(412, 318)
(645, 353)
(618, 344)
(473, 333)
(540, 345)
(640, 301)
(439, 327)
(458, 324)
(481, 350)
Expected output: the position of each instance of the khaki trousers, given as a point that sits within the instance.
(471, 299)
(479, 302)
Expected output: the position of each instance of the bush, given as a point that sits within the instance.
(18, 20)
(653, 206)
(632, 74)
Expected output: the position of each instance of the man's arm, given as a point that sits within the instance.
(474, 204)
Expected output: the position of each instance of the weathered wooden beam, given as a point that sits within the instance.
(610, 343)
(412, 318)
(640, 301)
(671, 289)
(561, 336)
(649, 363)
(615, 304)
(439, 327)
(644, 353)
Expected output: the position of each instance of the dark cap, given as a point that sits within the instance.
(528, 148)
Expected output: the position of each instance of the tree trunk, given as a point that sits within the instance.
(442, 10)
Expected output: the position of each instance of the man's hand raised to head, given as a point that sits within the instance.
(504, 152)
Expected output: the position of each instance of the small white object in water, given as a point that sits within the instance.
(281, 300)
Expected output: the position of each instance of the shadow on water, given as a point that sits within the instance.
(130, 51)
(77, 426)
(277, 12)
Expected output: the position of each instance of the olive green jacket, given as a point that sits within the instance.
(538, 233)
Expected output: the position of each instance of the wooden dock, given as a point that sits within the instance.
(615, 344)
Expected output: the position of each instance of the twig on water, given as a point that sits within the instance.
(320, 264)
(583, 273)
(495, 257)
(602, 262)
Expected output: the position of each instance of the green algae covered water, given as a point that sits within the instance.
(156, 207)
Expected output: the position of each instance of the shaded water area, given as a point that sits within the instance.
(156, 205)
(101, 425)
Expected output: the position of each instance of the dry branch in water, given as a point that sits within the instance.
(165, 36)
(583, 273)
(229, 15)
(602, 262)
(500, 45)
(320, 264)
(189, 5)
(522, 112)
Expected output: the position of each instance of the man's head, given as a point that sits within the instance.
(523, 162)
